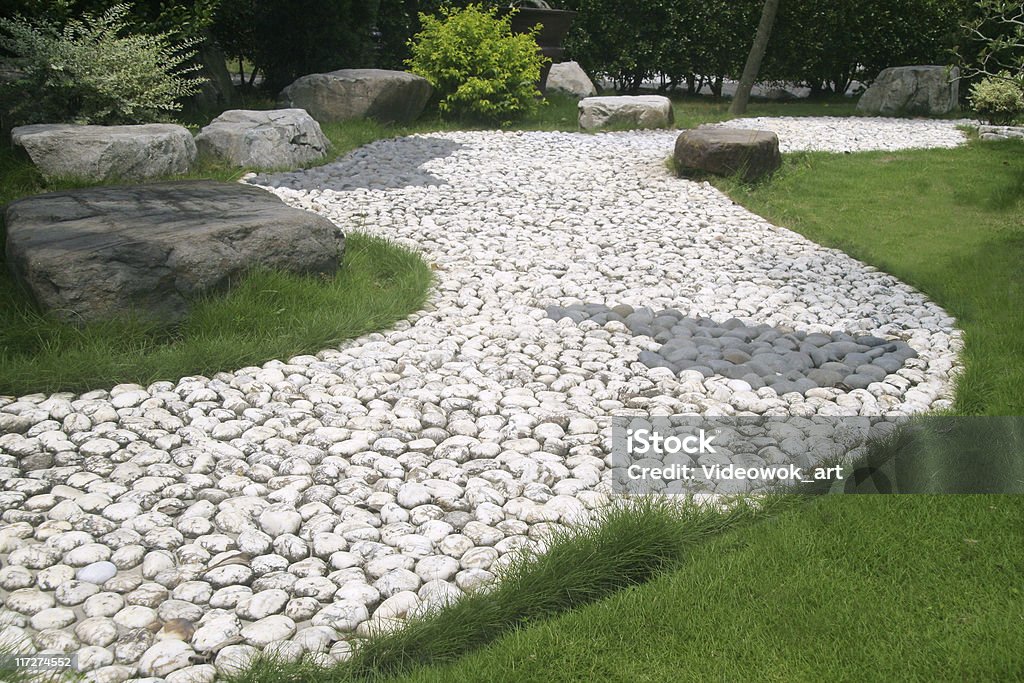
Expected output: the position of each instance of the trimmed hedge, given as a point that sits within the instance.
(823, 45)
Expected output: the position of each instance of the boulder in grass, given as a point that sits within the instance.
(99, 253)
(1000, 132)
(387, 96)
(626, 111)
(98, 153)
(912, 91)
(264, 140)
(569, 78)
(727, 151)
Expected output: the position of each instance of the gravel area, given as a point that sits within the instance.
(174, 530)
(762, 355)
(857, 133)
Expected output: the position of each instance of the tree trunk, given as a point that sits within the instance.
(218, 92)
(757, 50)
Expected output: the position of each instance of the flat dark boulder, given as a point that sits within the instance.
(99, 253)
(727, 151)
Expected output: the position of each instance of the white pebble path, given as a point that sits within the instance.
(379, 479)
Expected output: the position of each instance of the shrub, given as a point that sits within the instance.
(998, 99)
(91, 72)
(477, 67)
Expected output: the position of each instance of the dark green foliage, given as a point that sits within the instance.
(992, 41)
(399, 20)
(828, 45)
(309, 36)
(179, 19)
(824, 45)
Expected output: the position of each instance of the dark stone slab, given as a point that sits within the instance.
(99, 253)
(727, 151)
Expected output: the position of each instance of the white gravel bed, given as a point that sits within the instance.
(856, 133)
(172, 531)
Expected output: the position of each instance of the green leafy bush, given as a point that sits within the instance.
(998, 99)
(92, 72)
(477, 67)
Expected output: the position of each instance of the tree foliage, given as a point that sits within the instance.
(285, 40)
(993, 43)
(824, 45)
(93, 71)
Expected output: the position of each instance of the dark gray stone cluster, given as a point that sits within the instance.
(760, 355)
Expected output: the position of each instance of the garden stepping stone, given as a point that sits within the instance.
(727, 151)
(98, 153)
(264, 140)
(626, 111)
(97, 253)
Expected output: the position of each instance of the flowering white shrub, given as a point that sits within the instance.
(92, 71)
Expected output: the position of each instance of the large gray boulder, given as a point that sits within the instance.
(1000, 132)
(569, 78)
(98, 253)
(99, 153)
(264, 140)
(388, 96)
(626, 111)
(912, 90)
(727, 151)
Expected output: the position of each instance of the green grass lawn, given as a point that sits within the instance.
(267, 315)
(847, 587)
(631, 544)
(886, 588)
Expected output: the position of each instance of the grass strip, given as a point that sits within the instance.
(628, 545)
(267, 315)
(851, 588)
